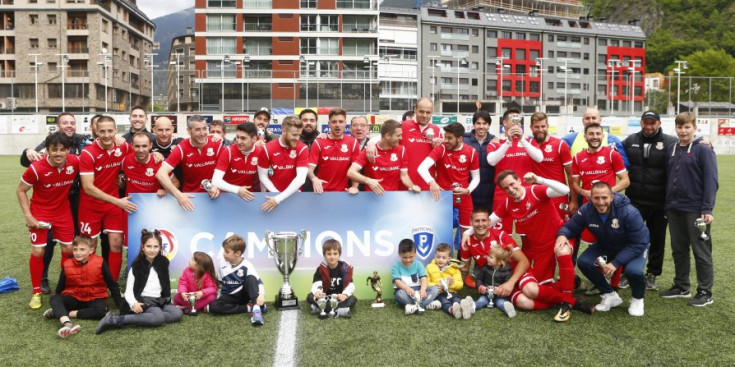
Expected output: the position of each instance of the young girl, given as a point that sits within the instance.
(496, 272)
(198, 278)
(148, 291)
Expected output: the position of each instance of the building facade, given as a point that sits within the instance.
(398, 65)
(73, 55)
(181, 87)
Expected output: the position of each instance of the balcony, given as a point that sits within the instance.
(76, 24)
(356, 4)
(455, 36)
(358, 28)
(455, 53)
(77, 73)
(77, 49)
(258, 50)
(261, 27)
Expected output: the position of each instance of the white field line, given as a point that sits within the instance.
(286, 343)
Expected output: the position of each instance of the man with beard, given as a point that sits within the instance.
(332, 156)
(237, 166)
(289, 159)
(597, 163)
(557, 162)
(577, 143)
(310, 132)
(138, 118)
(197, 157)
(261, 120)
(479, 138)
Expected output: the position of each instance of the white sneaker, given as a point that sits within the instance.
(434, 305)
(411, 309)
(636, 307)
(466, 305)
(456, 310)
(509, 309)
(609, 300)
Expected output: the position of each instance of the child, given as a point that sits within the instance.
(409, 277)
(337, 274)
(198, 278)
(442, 268)
(82, 289)
(148, 289)
(496, 272)
(241, 284)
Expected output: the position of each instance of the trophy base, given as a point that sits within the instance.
(287, 304)
(377, 305)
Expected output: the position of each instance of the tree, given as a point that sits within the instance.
(709, 75)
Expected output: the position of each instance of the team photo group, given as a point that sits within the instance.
(613, 199)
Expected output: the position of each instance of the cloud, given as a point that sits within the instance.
(155, 8)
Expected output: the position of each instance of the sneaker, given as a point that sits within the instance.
(651, 282)
(675, 292)
(636, 307)
(45, 287)
(609, 300)
(410, 309)
(701, 299)
(315, 310)
(344, 312)
(48, 314)
(109, 321)
(509, 309)
(420, 310)
(35, 302)
(456, 310)
(466, 306)
(257, 318)
(434, 305)
(68, 329)
(623, 283)
(564, 314)
(583, 306)
(591, 291)
(469, 281)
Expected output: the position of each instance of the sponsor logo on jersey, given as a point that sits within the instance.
(236, 159)
(99, 156)
(189, 155)
(600, 160)
(170, 245)
(423, 236)
(149, 171)
(276, 154)
(48, 173)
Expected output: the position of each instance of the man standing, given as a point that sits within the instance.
(261, 120)
(217, 127)
(237, 166)
(140, 168)
(289, 159)
(138, 119)
(310, 132)
(333, 156)
(100, 206)
(577, 143)
(479, 138)
(164, 142)
(622, 240)
(691, 190)
(389, 172)
(597, 163)
(360, 130)
(197, 157)
(557, 162)
(647, 154)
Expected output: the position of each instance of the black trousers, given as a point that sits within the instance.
(88, 310)
(229, 304)
(348, 303)
(655, 218)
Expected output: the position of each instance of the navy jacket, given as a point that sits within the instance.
(622, 236)
(692, 178)
(483, 193)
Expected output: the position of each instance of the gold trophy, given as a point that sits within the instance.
(377, 285)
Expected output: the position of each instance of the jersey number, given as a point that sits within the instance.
(84, 228)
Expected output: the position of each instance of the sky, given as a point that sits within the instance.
(156, 8)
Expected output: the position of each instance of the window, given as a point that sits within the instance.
(256, 4)
(520, 69)
(561, 54)
(586, 40)
(576, 55)
(475, 66)
(534, 54)
(602, 42)
(626, 43)
(432, 46)
(506, 34)
(520, 36)
(220, 22)
(308, 46)
(221, 46)
(308, 4)
(221, 3)
(576, 39)
(328, 46)
(614, 43)
(51, 42)
(308, 23)
(329, 23)
(258, 46)
(432, 29)
(464, 48)
(551, 53)
(551, 38)
(475, 49)
(475, 33)
(52, 67)
(492, 52)
(33, 18)
(586, 56)
(535, 37)
(492, 34)
(520, 54)
(34, 42)
(51, 19)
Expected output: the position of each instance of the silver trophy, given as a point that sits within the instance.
(601, 262)
(207, 185)
(417, 301)
(445, 286)
(702, 227)
(285, 249)
(455, 186)
(44, 225)
(192, 302)
(333, 302)
(322, 304)
(490, 295)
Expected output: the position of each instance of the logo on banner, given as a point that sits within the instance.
(423, 236)
(169, 245)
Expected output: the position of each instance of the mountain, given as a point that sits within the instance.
(168, 27)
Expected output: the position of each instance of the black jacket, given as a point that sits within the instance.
(483, 193)
(647, 157)
(142, 268)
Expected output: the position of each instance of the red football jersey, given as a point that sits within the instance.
(535, 216)
(418, 147)
(240, 169)
(333, 158)
(556, 156)
(104, 165)
(603, 165)
(516, 158)
(454, 166)
(284, 161)
(140, 177)
(51, 186)
(196, 164)
(479, 249)
(388, 166)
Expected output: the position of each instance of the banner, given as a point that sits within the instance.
(369, 227)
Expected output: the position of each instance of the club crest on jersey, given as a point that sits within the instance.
(615, 223)
(118, 152)
(210, 152)
(240, 273)
(660, 145)
(493, 243)
(519, 144)
(393, 157)
(69, 170)
(344, 148)
(170, 245)
(547, 149)
(254, 161)
(292, 154)
(600, 160)
(423, 236)
(149, 172)
(462, 158)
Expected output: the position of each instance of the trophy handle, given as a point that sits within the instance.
(268, 237)
(301, 245)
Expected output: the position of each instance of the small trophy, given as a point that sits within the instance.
(601, 261)
(417, 301)
(192, 302)
(207, 185)
(377, 285)
(490, 295)
(702, 227)
(285, 249)
(44, 225)
(445, 287)
(455, 186)
(333, 302)
(322, 304)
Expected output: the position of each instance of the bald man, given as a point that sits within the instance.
(577, 142)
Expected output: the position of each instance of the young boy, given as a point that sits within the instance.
(409, 277)
(82, 289)
(337, 275)
(442, 269)
(241, 284)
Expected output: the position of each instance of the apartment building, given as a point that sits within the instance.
(182, 89)
(73, 55)
(398, 65)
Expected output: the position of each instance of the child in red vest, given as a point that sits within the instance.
(82, 289)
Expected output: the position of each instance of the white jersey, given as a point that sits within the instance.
(232, 277)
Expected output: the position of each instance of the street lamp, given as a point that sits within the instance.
(106, 59)
(178, 93)
(246, 64)
(225, 60)
(612, 64)
(499, 63)
(36, 64)
(64, 62)
(460, 61)
(369, 62)
(566, 82)
(305, 64)
(631, 69)
(149, 60)
(680, 67)
(540, 65)
(433, 77)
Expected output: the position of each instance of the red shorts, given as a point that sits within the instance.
(503, 225)
(62, 227)
(465, 210)
(526, 278)
(92, 218)
(543, 265)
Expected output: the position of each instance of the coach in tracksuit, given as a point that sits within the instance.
(622, 240)
(647, 155)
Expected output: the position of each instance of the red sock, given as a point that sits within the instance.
(36, 265)
(538, 305)
(566, 273)
(114, 261)
(552, 296)
(615, 279)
